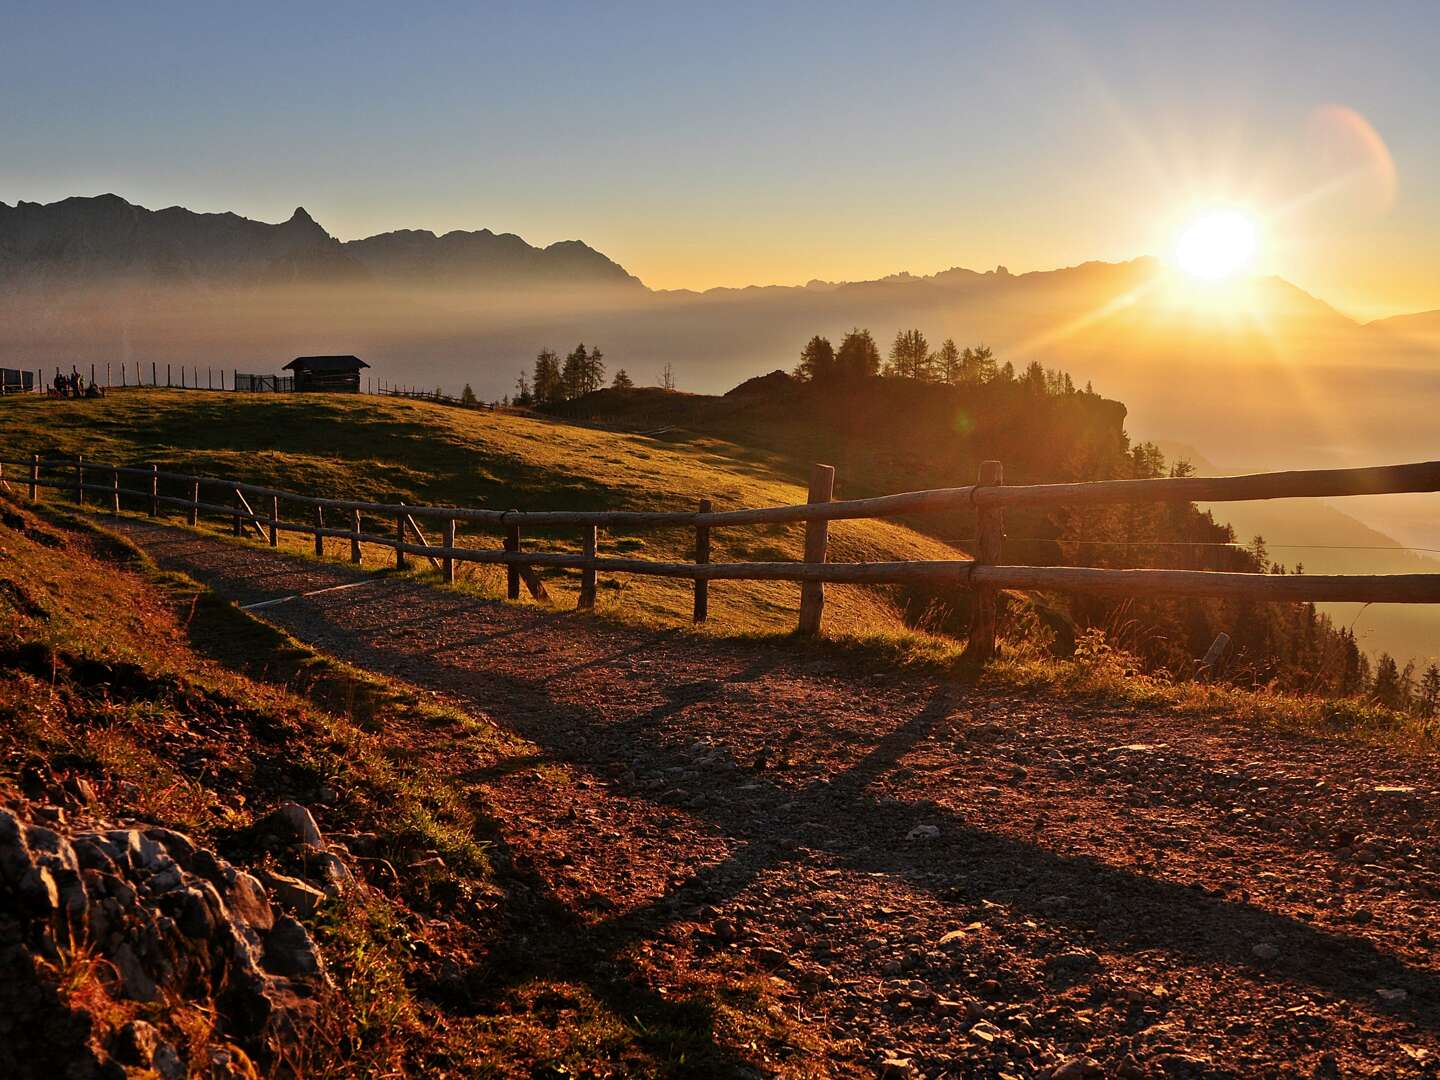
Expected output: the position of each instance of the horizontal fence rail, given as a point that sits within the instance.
(985, 574)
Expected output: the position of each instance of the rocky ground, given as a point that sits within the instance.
(104, 924)
(930, 879)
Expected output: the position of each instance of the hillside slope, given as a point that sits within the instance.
(417, 452)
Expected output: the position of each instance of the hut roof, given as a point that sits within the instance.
(326, 363)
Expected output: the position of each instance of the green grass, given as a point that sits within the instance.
(408, 451)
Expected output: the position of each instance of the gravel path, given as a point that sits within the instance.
(939, 881)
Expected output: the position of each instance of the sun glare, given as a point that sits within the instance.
(1218, 244)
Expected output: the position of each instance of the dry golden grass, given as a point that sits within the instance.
(398, 450)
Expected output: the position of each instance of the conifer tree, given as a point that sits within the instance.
(858, 356)
(947, 362)
(817, 361)
(548, 383)
(909, 355)
(593, 371)
(573, 375)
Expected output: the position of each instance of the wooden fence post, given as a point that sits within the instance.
(319, 524)
(702, 556)
(80, 478)
(399, 539)
(115, 491)
(274, 520)
(35, 478)
(512, 570)
(355, 540)
(817, 538)
(154, 490)
(590, 542)
(447, 564)
(194, 518)
(990, 533)
(239, 510)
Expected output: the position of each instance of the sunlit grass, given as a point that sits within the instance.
(395, 450)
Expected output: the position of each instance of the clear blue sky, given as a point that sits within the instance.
(734, 143)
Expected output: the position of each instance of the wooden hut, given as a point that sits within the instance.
(336, 374)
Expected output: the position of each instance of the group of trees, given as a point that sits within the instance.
(553, 381)
(911, 357)
(1399, 688)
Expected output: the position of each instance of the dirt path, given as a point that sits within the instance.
(980, 884)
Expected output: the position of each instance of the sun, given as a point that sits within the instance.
(1218, 244)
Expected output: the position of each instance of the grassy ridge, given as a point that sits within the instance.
(398, 450)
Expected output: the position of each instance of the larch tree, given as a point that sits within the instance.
(909, 355)
(947, 362)
(573, 375)
(548, 383)
(594, 371)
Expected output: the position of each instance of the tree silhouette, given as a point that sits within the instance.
(858, 356)
(1430, 691)
(594, 371)
(622, 381)
(909, 356)
(467, 396)
(549, 385)
(947, 362)
(1387, 689)
(572, 375)
(817, 361)
(522, 390)
(977, 365)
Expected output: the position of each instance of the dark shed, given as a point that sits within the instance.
(340, 374)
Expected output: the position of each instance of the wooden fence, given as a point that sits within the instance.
(390, 390)
(985, 574)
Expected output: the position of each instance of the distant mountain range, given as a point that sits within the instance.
(105, 239)
(1255, 373)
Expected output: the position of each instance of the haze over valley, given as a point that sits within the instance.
(1250, 372)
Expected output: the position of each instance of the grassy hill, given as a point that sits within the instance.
(399, 450)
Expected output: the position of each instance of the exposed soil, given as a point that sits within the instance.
(941, 880)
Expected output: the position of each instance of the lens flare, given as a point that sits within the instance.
(1218, 244)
